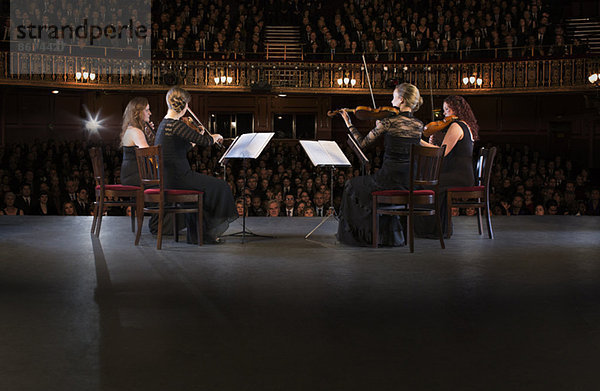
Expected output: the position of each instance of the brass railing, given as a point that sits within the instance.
(301, 76)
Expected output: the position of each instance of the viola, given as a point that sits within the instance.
(437, 126)
(365, 113)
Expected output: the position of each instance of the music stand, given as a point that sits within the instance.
(246, 146)
(325, 154)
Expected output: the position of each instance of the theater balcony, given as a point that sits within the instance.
(107, 72)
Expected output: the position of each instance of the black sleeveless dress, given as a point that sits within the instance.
(129, 170)
(355, 214)
(457, 171)
(219, 207)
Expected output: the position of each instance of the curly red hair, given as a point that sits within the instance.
(462, 110)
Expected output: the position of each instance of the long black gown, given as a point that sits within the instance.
(129, 170)
(219, 207)
(355, 217)
(457, 171)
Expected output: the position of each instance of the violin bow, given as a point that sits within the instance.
(204, 127)
(428, 69)
(369, 80)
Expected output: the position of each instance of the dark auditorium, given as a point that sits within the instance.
(299, 195)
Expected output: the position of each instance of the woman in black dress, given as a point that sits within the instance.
(135, 129)
(176, 138)
(457, 168)
(399, 132)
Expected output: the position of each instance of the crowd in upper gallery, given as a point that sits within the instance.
(386, 30)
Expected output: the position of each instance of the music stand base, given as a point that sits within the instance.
(330, 214)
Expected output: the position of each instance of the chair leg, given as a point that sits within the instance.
(139, 205)
(100, 213)
(439, 224)
(375, 221)
(95, 218)
(411, 233)
(449, 213)
(199, 228)
(488, 218)
(479, 219)
(175, 227)
(161, 213)
(133, 210)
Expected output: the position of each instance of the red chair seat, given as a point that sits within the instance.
(468, 189)
(173, 192)
(119, 187)
(392, 193)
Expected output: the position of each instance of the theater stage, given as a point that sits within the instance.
(518, 312)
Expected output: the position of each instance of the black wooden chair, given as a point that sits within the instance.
(477, 196)
(158, 200)
(114, 194)
(425, 167)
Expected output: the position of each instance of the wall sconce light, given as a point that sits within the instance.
(217, 79)
(223, 79)
(594, 78)
(84, 76)
(472, 81)
(229, 79)
(346, 81)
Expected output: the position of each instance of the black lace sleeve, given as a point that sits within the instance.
(380, 128)
(185, 132)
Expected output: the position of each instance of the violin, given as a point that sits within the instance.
(365, 113)
(198, 126)
(436, 126)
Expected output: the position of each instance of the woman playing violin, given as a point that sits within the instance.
(176, 137)
(457, 169)
(399, 132)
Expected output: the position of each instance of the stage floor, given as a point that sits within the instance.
(521, 311)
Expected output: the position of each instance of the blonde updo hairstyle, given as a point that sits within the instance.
(177, 98)
(411, 95)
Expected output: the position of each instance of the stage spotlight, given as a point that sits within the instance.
(55, 92)
(92, 123)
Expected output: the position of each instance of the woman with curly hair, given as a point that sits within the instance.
(457, 168)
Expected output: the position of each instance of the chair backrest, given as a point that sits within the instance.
(150, 163)
(97, 165)
(485, 164)
(425, 165)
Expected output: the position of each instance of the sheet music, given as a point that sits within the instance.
(248, 146)
(324, 153)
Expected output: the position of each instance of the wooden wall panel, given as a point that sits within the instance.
(68, 110)
(35, 113)
(262, 122)
(35, 109)
(485, 109)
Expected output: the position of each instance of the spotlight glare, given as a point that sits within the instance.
(93, 123)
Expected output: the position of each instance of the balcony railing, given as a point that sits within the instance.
(547, 74)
